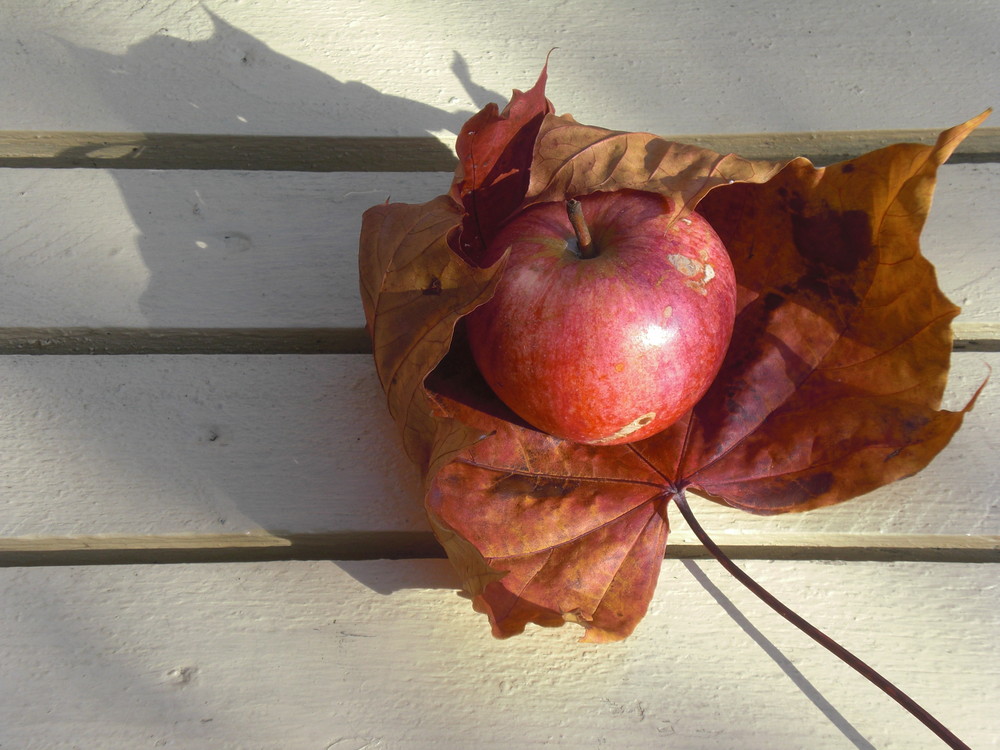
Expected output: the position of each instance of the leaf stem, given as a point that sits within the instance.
(815, 633)
(585, 243)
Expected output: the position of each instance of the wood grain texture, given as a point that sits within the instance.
(385, 655)
(303, 445)
(205, 249)
(378, 67)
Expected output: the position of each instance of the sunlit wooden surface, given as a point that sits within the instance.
(200, 487)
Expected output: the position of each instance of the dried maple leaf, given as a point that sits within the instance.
(414, 289)
(831, 386)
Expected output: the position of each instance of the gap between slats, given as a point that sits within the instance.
(387, 545)
(969, 337)
(73, 150)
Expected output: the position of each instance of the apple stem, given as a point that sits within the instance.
(584, 242)
(920, 713)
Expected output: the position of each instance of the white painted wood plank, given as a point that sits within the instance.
(210, 249)
(384, 655)
(159, 445)
(960, 239)
(200, 444)
(380, 67)
(230, 249)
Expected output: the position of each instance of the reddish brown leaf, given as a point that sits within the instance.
(831, 387)
(578, 531)
(572, 159)
(494, 165)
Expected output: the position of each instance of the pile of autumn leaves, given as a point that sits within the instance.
(831, 387)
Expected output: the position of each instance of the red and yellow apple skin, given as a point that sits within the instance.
(613, 348)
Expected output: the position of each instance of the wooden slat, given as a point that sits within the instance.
(384, 654)
(143, 448)
(148, 249)
(207, 444)
(385, 68)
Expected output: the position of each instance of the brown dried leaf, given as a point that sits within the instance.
(572, 159)
(494, 165)
(414, 289)
(831, 387)
(833, 382)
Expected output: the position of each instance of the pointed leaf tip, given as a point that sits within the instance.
(952, 138)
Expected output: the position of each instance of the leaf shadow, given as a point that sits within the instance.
(411, 574)
(233, 83)
(784, 663)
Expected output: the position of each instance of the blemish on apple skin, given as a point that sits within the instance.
(635, 424)
(698, 274)
(668, 311)
(697, 285)
(684, 264)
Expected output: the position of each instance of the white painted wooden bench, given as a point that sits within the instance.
(209, 535)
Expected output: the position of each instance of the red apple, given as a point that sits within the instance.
(607, 339)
